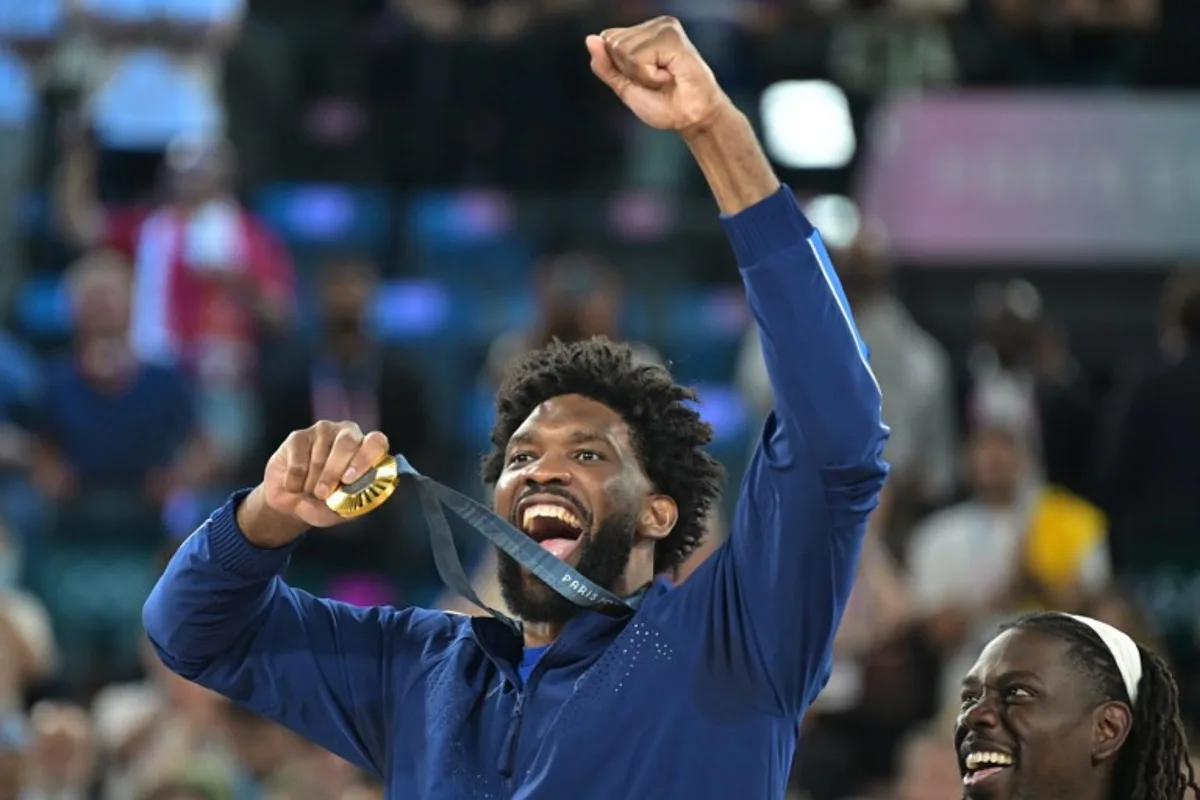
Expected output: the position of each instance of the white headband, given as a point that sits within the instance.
(1124, 651)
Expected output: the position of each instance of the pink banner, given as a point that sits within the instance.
(1048, 178)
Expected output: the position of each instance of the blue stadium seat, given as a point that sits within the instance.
(467, 238)
(479, 414)
(702, 333)
(448, 221)
(416, 310)
(43, 310)
(722, 406)
(328, 215)
(733, 430)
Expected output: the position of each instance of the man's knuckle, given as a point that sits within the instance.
(348, 437)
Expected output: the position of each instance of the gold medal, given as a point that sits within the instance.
(367, 493)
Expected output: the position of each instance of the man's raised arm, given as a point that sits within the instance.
(771, 599)
(222, 616)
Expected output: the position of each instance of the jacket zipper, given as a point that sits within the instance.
(508, 751)
(507, 762)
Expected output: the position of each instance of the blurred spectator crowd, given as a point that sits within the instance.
(221, 220)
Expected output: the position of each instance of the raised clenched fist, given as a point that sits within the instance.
(658, 74)
(303, 472)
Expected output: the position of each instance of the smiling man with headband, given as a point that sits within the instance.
(1063, 707)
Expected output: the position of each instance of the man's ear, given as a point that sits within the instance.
(658, 517)
(1113, 721)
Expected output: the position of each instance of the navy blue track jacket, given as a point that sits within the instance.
(698, 695)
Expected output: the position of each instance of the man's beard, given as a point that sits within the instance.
(604, 556)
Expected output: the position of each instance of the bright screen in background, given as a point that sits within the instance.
(807, 125)
(836, 217)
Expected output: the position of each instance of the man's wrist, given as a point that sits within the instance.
(727, 150)
(724, 118)
(263, 526)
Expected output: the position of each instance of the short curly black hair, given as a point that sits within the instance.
(668, 435)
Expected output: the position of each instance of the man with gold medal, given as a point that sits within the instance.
(608, 681)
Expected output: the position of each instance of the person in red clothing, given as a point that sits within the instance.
(210, 280)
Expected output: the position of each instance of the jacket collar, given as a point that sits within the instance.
(585, 634)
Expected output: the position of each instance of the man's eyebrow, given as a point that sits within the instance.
(580, 436)
(521, 437)
(587, 436)
(1021, 675)
(1010, 675)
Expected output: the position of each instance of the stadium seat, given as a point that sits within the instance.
(328, 215)
(702, 333)
(467, 238)
(42, 309)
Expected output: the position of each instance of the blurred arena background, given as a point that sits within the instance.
(223, 219)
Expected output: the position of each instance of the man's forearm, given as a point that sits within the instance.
(732, 160)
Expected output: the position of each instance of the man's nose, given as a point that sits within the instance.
(982, 715)
(549, 469)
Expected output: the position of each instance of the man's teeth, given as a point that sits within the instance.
(988, 759)
(553, 512)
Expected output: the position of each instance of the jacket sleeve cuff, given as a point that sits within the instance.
(770, 226)
(233, 551)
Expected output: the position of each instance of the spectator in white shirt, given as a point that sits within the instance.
(1015, 544)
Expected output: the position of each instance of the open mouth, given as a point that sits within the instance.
(984, 766)
(553, 525)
